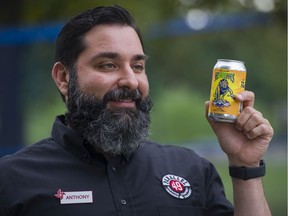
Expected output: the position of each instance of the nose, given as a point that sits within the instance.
(128, 79)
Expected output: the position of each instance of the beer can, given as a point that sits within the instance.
(228, 79)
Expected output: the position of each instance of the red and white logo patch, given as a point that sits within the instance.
(176, 186)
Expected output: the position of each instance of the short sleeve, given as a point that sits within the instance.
(217, 203)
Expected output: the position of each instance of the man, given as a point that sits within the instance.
(98, 160)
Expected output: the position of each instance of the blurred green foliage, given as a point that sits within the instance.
(189, 61)
(179, 116)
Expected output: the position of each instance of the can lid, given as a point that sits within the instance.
(230, 60)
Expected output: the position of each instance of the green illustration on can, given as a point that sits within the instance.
(223, 91)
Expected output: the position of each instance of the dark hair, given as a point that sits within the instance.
(70, 42)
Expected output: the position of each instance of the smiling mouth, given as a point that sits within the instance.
(125, 103)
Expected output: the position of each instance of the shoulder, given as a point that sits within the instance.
(33, 152)
(25, 165)
(169, 150)
(172, 155)
(176, 158)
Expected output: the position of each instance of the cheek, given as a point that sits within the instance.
(143, 86)
(96, 86)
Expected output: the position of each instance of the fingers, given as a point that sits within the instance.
(247, 97)
(253, 124)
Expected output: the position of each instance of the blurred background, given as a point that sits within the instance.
(184, 39)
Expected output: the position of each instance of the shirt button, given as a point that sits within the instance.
(114, 169)
(123, 202)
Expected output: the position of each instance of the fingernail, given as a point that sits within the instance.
(240, 96)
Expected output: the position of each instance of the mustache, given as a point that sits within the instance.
(122, 94)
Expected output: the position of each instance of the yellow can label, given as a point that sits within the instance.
(226, 84)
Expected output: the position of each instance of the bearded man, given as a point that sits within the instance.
(99, 161)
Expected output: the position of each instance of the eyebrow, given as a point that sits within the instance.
(140, 57)
(114, 55)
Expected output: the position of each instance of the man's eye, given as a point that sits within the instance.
(138, 68)
(108, 66)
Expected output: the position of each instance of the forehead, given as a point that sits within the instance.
(112, 38)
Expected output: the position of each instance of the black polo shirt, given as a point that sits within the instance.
(59, 176)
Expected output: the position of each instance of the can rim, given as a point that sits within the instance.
(231, 60)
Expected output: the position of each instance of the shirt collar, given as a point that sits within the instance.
(69, 139)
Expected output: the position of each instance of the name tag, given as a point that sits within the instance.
(75, 197)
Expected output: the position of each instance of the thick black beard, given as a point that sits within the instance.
(115, 132)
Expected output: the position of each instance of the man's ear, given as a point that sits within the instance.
(61, 77)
